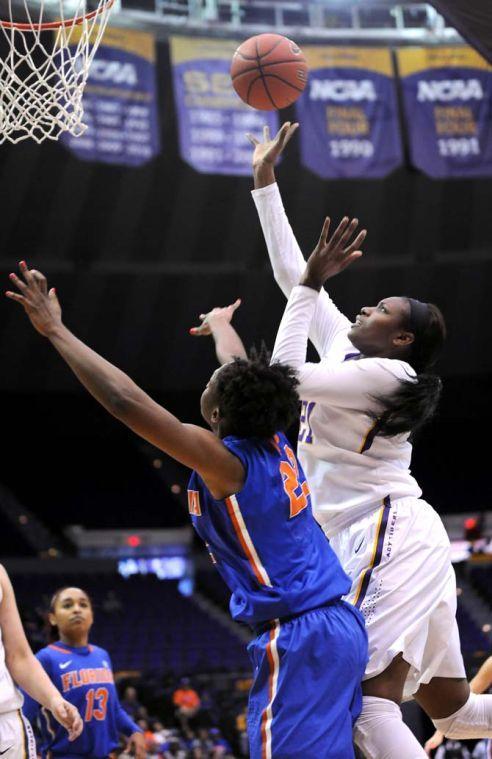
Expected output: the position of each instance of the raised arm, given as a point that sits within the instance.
(286, 258)
(193, 446)
(217, 323)
(347, 384)
(25, 669)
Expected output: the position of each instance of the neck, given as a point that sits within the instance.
(77, 640)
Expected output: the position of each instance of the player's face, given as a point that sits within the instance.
(73, 612)
(208, 402)
(378, 330)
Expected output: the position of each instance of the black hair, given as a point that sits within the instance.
(416, 400)
(256, 398)
(53, 632)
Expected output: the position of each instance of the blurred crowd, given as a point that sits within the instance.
(194, 722)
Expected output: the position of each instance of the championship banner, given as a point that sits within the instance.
(348, 113)
(447, 95)
(212, 119)
(120, 101)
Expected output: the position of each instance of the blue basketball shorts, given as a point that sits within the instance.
(306, 692)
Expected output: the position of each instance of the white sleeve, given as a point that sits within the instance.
(352, 384)
(288, 265)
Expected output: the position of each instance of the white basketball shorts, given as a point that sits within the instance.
(16, 737)
(403, 582)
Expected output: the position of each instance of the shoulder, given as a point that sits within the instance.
(46, 656)
(100, 653)
(386, 368)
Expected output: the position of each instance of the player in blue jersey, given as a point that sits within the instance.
(83, 674)
(250, 502)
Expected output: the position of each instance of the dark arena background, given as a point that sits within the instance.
(136, 254)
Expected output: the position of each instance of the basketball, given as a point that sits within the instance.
(269, 71)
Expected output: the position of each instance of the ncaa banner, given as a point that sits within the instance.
(120, 102)
(349, 114)
(447, 94)
(212, 119)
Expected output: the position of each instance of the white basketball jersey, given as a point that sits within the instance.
(10, 696)
(349, 468)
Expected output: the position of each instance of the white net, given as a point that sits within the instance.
(44, 67)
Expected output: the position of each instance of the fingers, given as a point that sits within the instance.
(24, 270)
(252, 139)
(18, 282)
(350, 259)
(16, 296)
(355, 245)
(289, 133)
(71, 720)
(324, 233)
(203, 329)
(31, 277)
(266, 133)
(234, 306)
(280, 136)
(349, 231)
(41, 281)
(337, 234)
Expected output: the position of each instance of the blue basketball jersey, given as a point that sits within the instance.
(84, 677)
(266, 544)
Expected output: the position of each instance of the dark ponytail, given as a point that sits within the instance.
(416, 400)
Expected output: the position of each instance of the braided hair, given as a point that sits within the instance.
(256, 398)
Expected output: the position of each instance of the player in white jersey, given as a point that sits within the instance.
(359, 405)
(17, 663)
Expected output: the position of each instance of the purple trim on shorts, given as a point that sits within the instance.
(378, 554)
(349, 356)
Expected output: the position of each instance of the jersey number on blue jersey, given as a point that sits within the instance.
(97, 703)
(298, 492)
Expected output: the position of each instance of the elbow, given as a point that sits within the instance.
(120, 401)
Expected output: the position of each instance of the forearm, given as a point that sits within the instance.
(29, 675)
(228, 344)
(108, 384)
(125, 724)
(292, 336)
(286, 258)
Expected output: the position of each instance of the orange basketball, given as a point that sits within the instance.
(269, 71)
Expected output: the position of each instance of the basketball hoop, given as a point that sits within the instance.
(44, 71)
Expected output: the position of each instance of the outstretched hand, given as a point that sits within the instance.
(41, 305)
(269, 150)
(331, 256)
(214, 316)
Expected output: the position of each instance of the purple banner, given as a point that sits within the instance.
(212, 119)
(447, 95)
(120, 102)
(348, 114)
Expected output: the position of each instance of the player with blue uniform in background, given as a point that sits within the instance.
(250, 502)
(83, 675)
